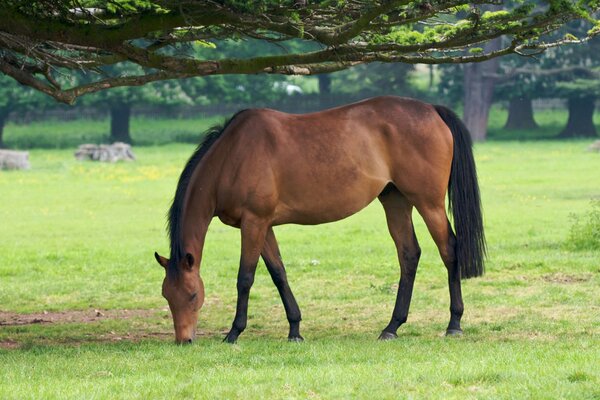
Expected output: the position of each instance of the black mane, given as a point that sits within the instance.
(174, 221)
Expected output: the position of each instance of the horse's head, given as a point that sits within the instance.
(184, 291)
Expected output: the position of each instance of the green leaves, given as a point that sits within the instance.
(45, 35)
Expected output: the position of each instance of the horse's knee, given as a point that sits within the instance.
(245, 281)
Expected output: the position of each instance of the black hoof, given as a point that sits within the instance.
(387, 336)
(230, 338)
(454, 332)
(296, 339)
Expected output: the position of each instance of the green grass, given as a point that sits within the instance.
(80, 236)
(54, 134)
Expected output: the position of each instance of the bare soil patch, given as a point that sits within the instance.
(85, 316)
(145, 328)
(566, 278)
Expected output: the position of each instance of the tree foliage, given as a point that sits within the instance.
(40, 39)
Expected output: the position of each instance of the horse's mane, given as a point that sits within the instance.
(174, 220)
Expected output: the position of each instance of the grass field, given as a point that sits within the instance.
(76, 245)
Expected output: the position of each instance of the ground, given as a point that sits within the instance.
(81, 313)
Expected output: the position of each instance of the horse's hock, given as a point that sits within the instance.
(105, 152)
(10, 159)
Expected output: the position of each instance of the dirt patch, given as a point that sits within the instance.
(145, 325)
(8, 344)
(46, 317)
(566, 278)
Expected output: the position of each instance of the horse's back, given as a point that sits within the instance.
(325, 166)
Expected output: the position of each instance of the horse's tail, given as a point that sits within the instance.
(464, 200)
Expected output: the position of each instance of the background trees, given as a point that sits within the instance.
(40, 38)
(14, 98)
(120, 101)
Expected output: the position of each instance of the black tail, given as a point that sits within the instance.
(464, 200)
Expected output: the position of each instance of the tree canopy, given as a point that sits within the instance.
(44, 40)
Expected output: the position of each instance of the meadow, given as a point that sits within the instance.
(81, 315)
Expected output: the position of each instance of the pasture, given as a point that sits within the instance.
(81, 315)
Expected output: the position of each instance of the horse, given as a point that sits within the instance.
(265, 168)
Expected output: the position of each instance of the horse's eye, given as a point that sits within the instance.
(193, 297)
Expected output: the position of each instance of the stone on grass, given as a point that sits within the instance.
(105, 152)
(594, 146)
(10, 159)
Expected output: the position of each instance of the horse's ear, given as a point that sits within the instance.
(189, 260)
(161, 260)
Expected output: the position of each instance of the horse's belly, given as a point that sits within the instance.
(318, 204)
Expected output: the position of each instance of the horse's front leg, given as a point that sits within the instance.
(253, 238)
(272, 258)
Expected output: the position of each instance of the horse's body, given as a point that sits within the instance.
(267, 168)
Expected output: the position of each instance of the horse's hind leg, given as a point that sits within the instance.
(253, 232)
(398, 212)
(272, 258)
(437, 222)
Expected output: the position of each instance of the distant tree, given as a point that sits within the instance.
(517, 84)
(578, 83)
(120, 100)
(478, 91)
(15, 97)
(374, 79)
(581, 98)
(237, 88)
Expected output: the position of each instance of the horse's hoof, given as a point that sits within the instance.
(230, 338)
(296, 339)
(387, 336)
(454, 332)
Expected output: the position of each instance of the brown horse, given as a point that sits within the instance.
(267, 168)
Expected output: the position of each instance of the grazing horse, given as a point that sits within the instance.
(265, 168)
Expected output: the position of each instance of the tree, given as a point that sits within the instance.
(119, 101)
(581, 98)
(374, 79)
(238, 88)
(564, 72)
(13, 98)
(578, 84)
(478, 93)
(39, 38)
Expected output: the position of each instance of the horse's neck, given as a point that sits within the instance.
(198, 212)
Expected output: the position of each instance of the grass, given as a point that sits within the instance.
(80, 236)
(55, 134)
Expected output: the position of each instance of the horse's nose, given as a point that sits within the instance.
(189, 341)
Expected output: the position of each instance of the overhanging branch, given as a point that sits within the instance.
(34, 43)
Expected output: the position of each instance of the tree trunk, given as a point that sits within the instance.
(324, 84)
(3, 117)
(119, 123)
(581, 113)
(479, 88)
(520, 114)
(324, 90)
